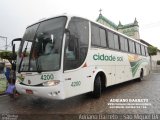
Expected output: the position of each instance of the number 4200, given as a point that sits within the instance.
(76, 83)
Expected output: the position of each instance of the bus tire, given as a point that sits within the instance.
(97, 87)
(141, 76)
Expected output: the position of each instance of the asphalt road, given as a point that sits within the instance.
(147, 91)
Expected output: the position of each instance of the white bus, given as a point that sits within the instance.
(65, 56)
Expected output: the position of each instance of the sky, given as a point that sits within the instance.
(16, 15)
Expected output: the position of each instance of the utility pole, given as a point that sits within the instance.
(6, 41)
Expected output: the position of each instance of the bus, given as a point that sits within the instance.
(65, 56)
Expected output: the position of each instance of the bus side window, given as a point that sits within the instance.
(103, 38)
(146, 50)
(126, 44)
(110, 40)
(95, 36)
(143, 50)
(98, 36)
(122, 43)
(134, 49)
(76, 43)
(138, 50)
(116, 42)
(113, 41)
(71, 49)
(131, 46)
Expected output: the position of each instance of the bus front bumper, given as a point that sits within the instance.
(51, 92)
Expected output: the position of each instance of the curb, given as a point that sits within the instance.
(3, 94)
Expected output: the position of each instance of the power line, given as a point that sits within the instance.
(6, 41)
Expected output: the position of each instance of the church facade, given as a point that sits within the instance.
(131, 29)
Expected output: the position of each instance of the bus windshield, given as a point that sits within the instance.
(40, 49)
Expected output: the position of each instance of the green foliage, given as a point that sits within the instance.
(152, 50)
(158, 62)
(6, 55)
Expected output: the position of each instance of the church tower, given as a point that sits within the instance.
(131, 30)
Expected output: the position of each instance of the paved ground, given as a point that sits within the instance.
(148, 89)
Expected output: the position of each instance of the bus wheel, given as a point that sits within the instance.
(97, 87)
(141, 76)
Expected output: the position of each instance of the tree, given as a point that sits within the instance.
(7, 55)
(152, 51)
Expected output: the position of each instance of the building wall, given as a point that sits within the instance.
(131, 32)
(155, 58)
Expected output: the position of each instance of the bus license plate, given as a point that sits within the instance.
(29, 91)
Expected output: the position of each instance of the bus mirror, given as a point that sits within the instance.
(13, 52)
(17, 39)
(13, 47)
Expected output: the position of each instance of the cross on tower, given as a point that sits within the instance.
(100, 11)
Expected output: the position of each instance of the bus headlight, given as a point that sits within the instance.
(51, 83)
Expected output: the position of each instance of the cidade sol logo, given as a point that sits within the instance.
(103, 57)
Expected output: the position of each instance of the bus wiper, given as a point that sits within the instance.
(24, 52)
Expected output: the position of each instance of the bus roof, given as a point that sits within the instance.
(69, 16)
(44, 19)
